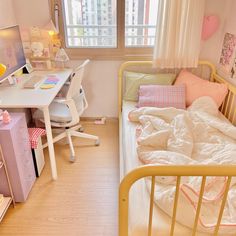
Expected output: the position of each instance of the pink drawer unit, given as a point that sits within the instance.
(15, 144)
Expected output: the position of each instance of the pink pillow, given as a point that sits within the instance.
(162, 96)
(197, 87)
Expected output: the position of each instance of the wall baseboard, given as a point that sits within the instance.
(93, 119)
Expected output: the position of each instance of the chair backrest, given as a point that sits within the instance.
(76, 95)
(76, 80)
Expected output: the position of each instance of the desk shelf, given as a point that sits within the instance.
(4, 205)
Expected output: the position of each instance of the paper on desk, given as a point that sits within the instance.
(47, 86)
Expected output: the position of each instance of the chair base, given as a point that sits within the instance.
(72, 132)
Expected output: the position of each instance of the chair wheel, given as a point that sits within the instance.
(72, 158)
(81, 129)
(97, 142)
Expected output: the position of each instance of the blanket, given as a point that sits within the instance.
(199, 135)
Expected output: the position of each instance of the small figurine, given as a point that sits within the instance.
(37, 49)
(6, 118)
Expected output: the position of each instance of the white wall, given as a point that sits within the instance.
(101, 86)
(31, 12)
(211, 48)
(7, 15)
(231, 19)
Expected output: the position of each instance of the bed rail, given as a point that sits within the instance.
(178, 171)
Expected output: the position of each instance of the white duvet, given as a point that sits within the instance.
(199, 135)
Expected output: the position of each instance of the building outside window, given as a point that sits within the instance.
(93, 23)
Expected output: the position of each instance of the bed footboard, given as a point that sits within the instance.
(178, 171)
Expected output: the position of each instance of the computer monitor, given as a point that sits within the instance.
(11, 51)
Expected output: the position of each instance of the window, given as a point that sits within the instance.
(140, 22)
(90, 23)
(108, 27)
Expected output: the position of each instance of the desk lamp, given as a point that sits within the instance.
(3, 69)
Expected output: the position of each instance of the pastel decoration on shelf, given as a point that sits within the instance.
(62, 57)
(35, 32)
(6, 118)
(210, 25)
(46, 52)
(56, 45)
(37, 49)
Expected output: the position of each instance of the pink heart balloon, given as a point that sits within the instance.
(210, 25)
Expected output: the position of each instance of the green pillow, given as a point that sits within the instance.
(133, 80)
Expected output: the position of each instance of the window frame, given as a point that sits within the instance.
(119, 53)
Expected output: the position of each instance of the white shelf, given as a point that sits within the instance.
(4, 206)
(1, 164)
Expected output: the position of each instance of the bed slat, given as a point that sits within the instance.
(233, 116)
(231, 107)
(223, 205)
(222, 107)
(199, 205)
(227, 105)
(175, 205)
(151, 207)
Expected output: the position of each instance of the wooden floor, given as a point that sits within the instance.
(84, 199)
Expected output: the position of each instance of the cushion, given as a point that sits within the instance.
(133, 80)
(162, 96)
(197, 87)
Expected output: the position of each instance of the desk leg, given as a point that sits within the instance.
(50, 143)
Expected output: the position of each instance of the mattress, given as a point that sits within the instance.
(139, 196)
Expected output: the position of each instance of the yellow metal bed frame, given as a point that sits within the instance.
(228, 110)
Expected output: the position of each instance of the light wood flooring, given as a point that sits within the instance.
(84, 199)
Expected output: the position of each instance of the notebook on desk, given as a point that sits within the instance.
(49, 82)
(33, 82)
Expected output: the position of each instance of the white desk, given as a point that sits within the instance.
(15, 96)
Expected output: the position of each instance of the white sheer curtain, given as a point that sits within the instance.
(178, 33)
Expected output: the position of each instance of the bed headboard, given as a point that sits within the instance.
(204, 70)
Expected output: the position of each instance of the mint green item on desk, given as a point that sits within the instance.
(133, 80)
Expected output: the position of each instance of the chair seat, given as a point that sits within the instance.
(58, 113)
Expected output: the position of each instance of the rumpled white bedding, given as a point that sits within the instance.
(200, 135)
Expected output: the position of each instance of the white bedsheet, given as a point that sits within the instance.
(139, 196)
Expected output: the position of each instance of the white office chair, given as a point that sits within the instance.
(65, 112)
